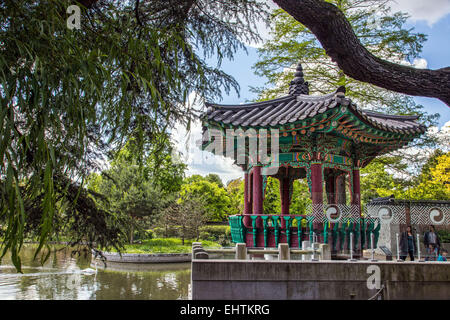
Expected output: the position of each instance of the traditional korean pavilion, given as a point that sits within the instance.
(325, 139)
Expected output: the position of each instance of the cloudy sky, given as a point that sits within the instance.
(431, 17)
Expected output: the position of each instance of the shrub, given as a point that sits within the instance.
(444, 235)
(224, 241)
(162, 232)
(216, 231)
(205, 236)
(149, 234)
(158, 232)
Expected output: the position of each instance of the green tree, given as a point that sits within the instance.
(384, 33)
(300, 198)
(272, 201)
(376, 181)
(431, 162)
(235, 190)
(214, 178)
(331, 26)
(139, 192)
(217, 200)
(381, 31)
(434, 180)
(68, 97)
(189, 214)
(381, 178)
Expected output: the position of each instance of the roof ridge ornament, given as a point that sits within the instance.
(298, 85)
(341, 89)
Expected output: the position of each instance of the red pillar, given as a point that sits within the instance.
(317, 193)
(247, 209)
(356, 194)
(257, 191)
(284, 195)
(330, 185)
(247, 202)
(316, 183)
(356, 201)
(340, 189)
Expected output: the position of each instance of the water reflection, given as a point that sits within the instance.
(65, 276)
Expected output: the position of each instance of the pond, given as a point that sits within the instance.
(64, 276)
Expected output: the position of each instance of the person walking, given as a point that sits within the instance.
(432, 244)
(407, 244)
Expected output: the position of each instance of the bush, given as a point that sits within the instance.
(162, 232)
(149, 234)
(208, 232)
(206, 236)
(444, 235)
(165, 245)
(216, 232)
(158, 232)
(224, 241)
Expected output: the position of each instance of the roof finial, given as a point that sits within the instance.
(298, 85)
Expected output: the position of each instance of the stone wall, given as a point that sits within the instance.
(388, 238)
(146, 258)
(294, 280)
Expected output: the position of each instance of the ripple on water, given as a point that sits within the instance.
(65, 277)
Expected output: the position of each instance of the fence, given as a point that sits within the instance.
(241, 252)
(338, 225)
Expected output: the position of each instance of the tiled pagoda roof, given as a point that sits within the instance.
(298, 106)
(294, 108)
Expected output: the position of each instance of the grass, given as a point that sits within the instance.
(166, 245)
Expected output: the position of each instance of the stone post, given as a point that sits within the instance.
(241, 251)
(325, 252)
(306, 245)
(284, 252)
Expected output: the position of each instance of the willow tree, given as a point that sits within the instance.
(70, 96)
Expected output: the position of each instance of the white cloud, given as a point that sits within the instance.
(198, 161)
(420, 63)
(417, 156)
(443, 135)
(430, 11)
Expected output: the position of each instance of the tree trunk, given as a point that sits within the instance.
(336, 35)
(132, 234)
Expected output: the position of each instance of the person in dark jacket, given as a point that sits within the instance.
(407, 244)
(432, 244)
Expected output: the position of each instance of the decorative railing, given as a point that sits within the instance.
(270, 230)
(336, 224)
(241, 252)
